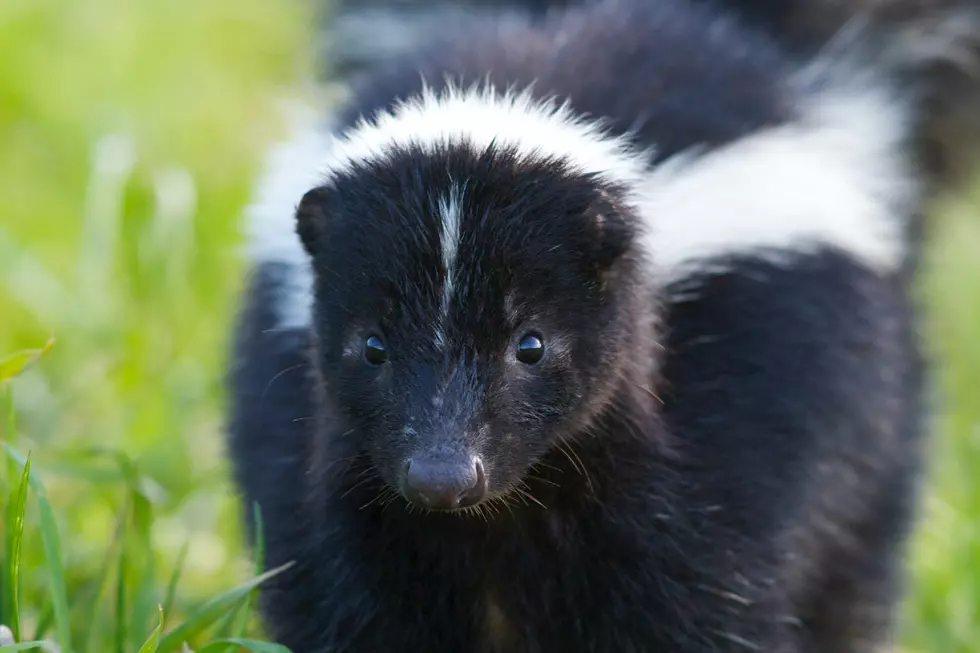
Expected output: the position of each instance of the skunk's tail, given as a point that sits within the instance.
(929, 48)
(358, 34)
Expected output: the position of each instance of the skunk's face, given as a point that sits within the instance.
(467, 313)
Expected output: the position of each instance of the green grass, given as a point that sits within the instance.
(129, 133)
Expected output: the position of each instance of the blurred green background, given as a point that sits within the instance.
(130, 131)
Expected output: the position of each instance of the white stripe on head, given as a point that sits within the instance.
(449, 212)
(839, 176)
(481, 116)
(290, 169)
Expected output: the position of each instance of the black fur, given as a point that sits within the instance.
(725, 464)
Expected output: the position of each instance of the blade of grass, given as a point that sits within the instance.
(13, 559)
(119, 634)
(56, 574)
(139, 548)
(135, 564)
(168, 603)
(22, 646)
(238, 620)
(212, 610)
(52, 553)
(251, 645)
(15, 364)
(153, 641)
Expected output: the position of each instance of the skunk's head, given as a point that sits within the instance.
(475, 294)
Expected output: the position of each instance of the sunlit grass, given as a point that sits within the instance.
(134, 589)
(130, 131)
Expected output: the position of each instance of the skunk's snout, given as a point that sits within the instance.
(444, 483)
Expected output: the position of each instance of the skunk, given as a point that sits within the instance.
(592, 331)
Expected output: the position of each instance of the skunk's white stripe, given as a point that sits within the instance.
(482, 116)
(291, 168)
(449, 210)
(839, 177)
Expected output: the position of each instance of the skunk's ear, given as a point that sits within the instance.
(611, 232)
(311, 217)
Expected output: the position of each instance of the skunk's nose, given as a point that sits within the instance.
(444, 484)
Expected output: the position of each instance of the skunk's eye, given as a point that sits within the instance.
(530, 349)
(374, 350)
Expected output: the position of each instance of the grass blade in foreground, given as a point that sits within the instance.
(52, 554)
(168, 602)
(13, 573)
(138, 549)
(119, 636)
(22, 646)
(238, 621)
(213, 610)
(153, 641)
(13, 365)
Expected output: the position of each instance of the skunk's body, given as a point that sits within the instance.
(715, 446)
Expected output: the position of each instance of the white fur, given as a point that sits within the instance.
(291, 168)
(481, 116)
(838, 178)
(449, 210)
